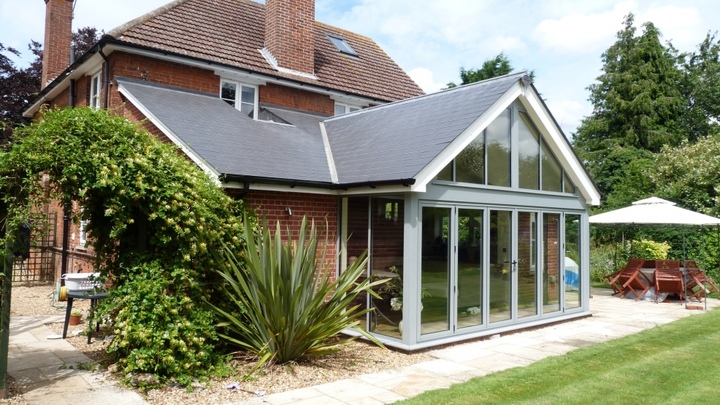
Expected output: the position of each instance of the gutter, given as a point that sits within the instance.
(246, 180)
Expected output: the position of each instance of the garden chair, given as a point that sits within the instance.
(632, 279)
(698, 283)
(668, 278)
(614, 278)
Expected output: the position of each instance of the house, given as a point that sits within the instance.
(471, 199)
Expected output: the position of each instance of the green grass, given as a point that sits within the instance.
(674, 363)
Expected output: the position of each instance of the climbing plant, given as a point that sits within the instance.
(155, 221)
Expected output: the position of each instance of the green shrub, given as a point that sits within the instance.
(649, 249)
(285, 307)
(602, 262)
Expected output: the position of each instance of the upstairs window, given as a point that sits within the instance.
(342, 45)
(345, 108)
(94, 101)
(240, 96)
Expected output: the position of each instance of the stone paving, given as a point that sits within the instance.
(52, 371)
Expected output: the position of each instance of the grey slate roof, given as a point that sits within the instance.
(395, 141)
(384, 144)
(233, 143)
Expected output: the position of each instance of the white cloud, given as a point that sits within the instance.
(424, 78)
(568, 114)
(582, 33)
(683, 26)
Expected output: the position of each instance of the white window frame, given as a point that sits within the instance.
(347, 108)
(95, 91)
(238, 95)
(82, 233)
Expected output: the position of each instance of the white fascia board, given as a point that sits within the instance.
(354, 101)
(427, 173)
(187, 150)
(560, 146)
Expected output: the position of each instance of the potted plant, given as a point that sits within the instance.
(75, 318)
(394, 289)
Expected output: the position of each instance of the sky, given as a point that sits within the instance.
(562, 41)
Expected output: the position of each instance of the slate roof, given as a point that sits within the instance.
(390, 143)
(231, 32)
(232, 143)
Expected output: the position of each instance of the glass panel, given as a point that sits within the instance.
(446, 173)
(470, 268)
(551, 262)
(529, 153)
(247, 109)
(498, 150)
(572, 261)
(435, 270)
(357, 233)
(551, 171)
(248, 95)
(228, 92)
(569, 186)
(387, 262)
(339, 109)
(527, 264)
(470, 163)
(500, 270)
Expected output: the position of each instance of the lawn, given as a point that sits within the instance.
(674, 363)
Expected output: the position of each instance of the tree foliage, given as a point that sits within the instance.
(701, 88)
(155, 221)
(20, 86)
(494, 67)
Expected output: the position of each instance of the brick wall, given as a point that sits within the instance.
(296, 98)
(272, 205)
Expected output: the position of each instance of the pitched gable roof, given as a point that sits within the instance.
(401, 143)
(231, 32)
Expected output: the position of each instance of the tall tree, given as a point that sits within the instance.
(701, 88)
(494, 67)
(636, 102)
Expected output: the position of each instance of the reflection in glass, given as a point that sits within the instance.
(572, 261)
(435, 270)
(470, 267)
(498, 150)
(527, 264)
(500, 266)
(551, 262)
(529, 153)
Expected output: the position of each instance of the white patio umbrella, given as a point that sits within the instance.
(654, 211)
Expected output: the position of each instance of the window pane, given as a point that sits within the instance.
(569, 186)
(339, 109)
(470, 163)
(248, 95)
(446, 173)
(529, 153)
(573, 259)
(551, 263)
(498, 150)
(247, 109)
(228, 92)
(551, 171)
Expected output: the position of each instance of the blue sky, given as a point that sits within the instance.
(561, 40)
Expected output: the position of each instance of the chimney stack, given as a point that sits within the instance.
(58, 38)
(290, 33)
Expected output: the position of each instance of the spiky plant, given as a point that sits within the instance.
(285, 307)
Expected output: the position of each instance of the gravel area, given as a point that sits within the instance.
(352, 360)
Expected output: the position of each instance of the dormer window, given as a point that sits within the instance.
(342, 45)
(240, 96)
(345, 108)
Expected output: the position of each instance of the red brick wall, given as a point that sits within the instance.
(272, 205)
(58, 37)
(296, 98)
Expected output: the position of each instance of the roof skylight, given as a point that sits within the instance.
(341, 45)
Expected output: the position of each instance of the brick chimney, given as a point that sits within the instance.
(58, 38)
(290, 33)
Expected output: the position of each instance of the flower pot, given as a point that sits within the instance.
(75, 319)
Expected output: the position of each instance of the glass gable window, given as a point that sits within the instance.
(240, 96)
(487, 160)
(529, 153)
